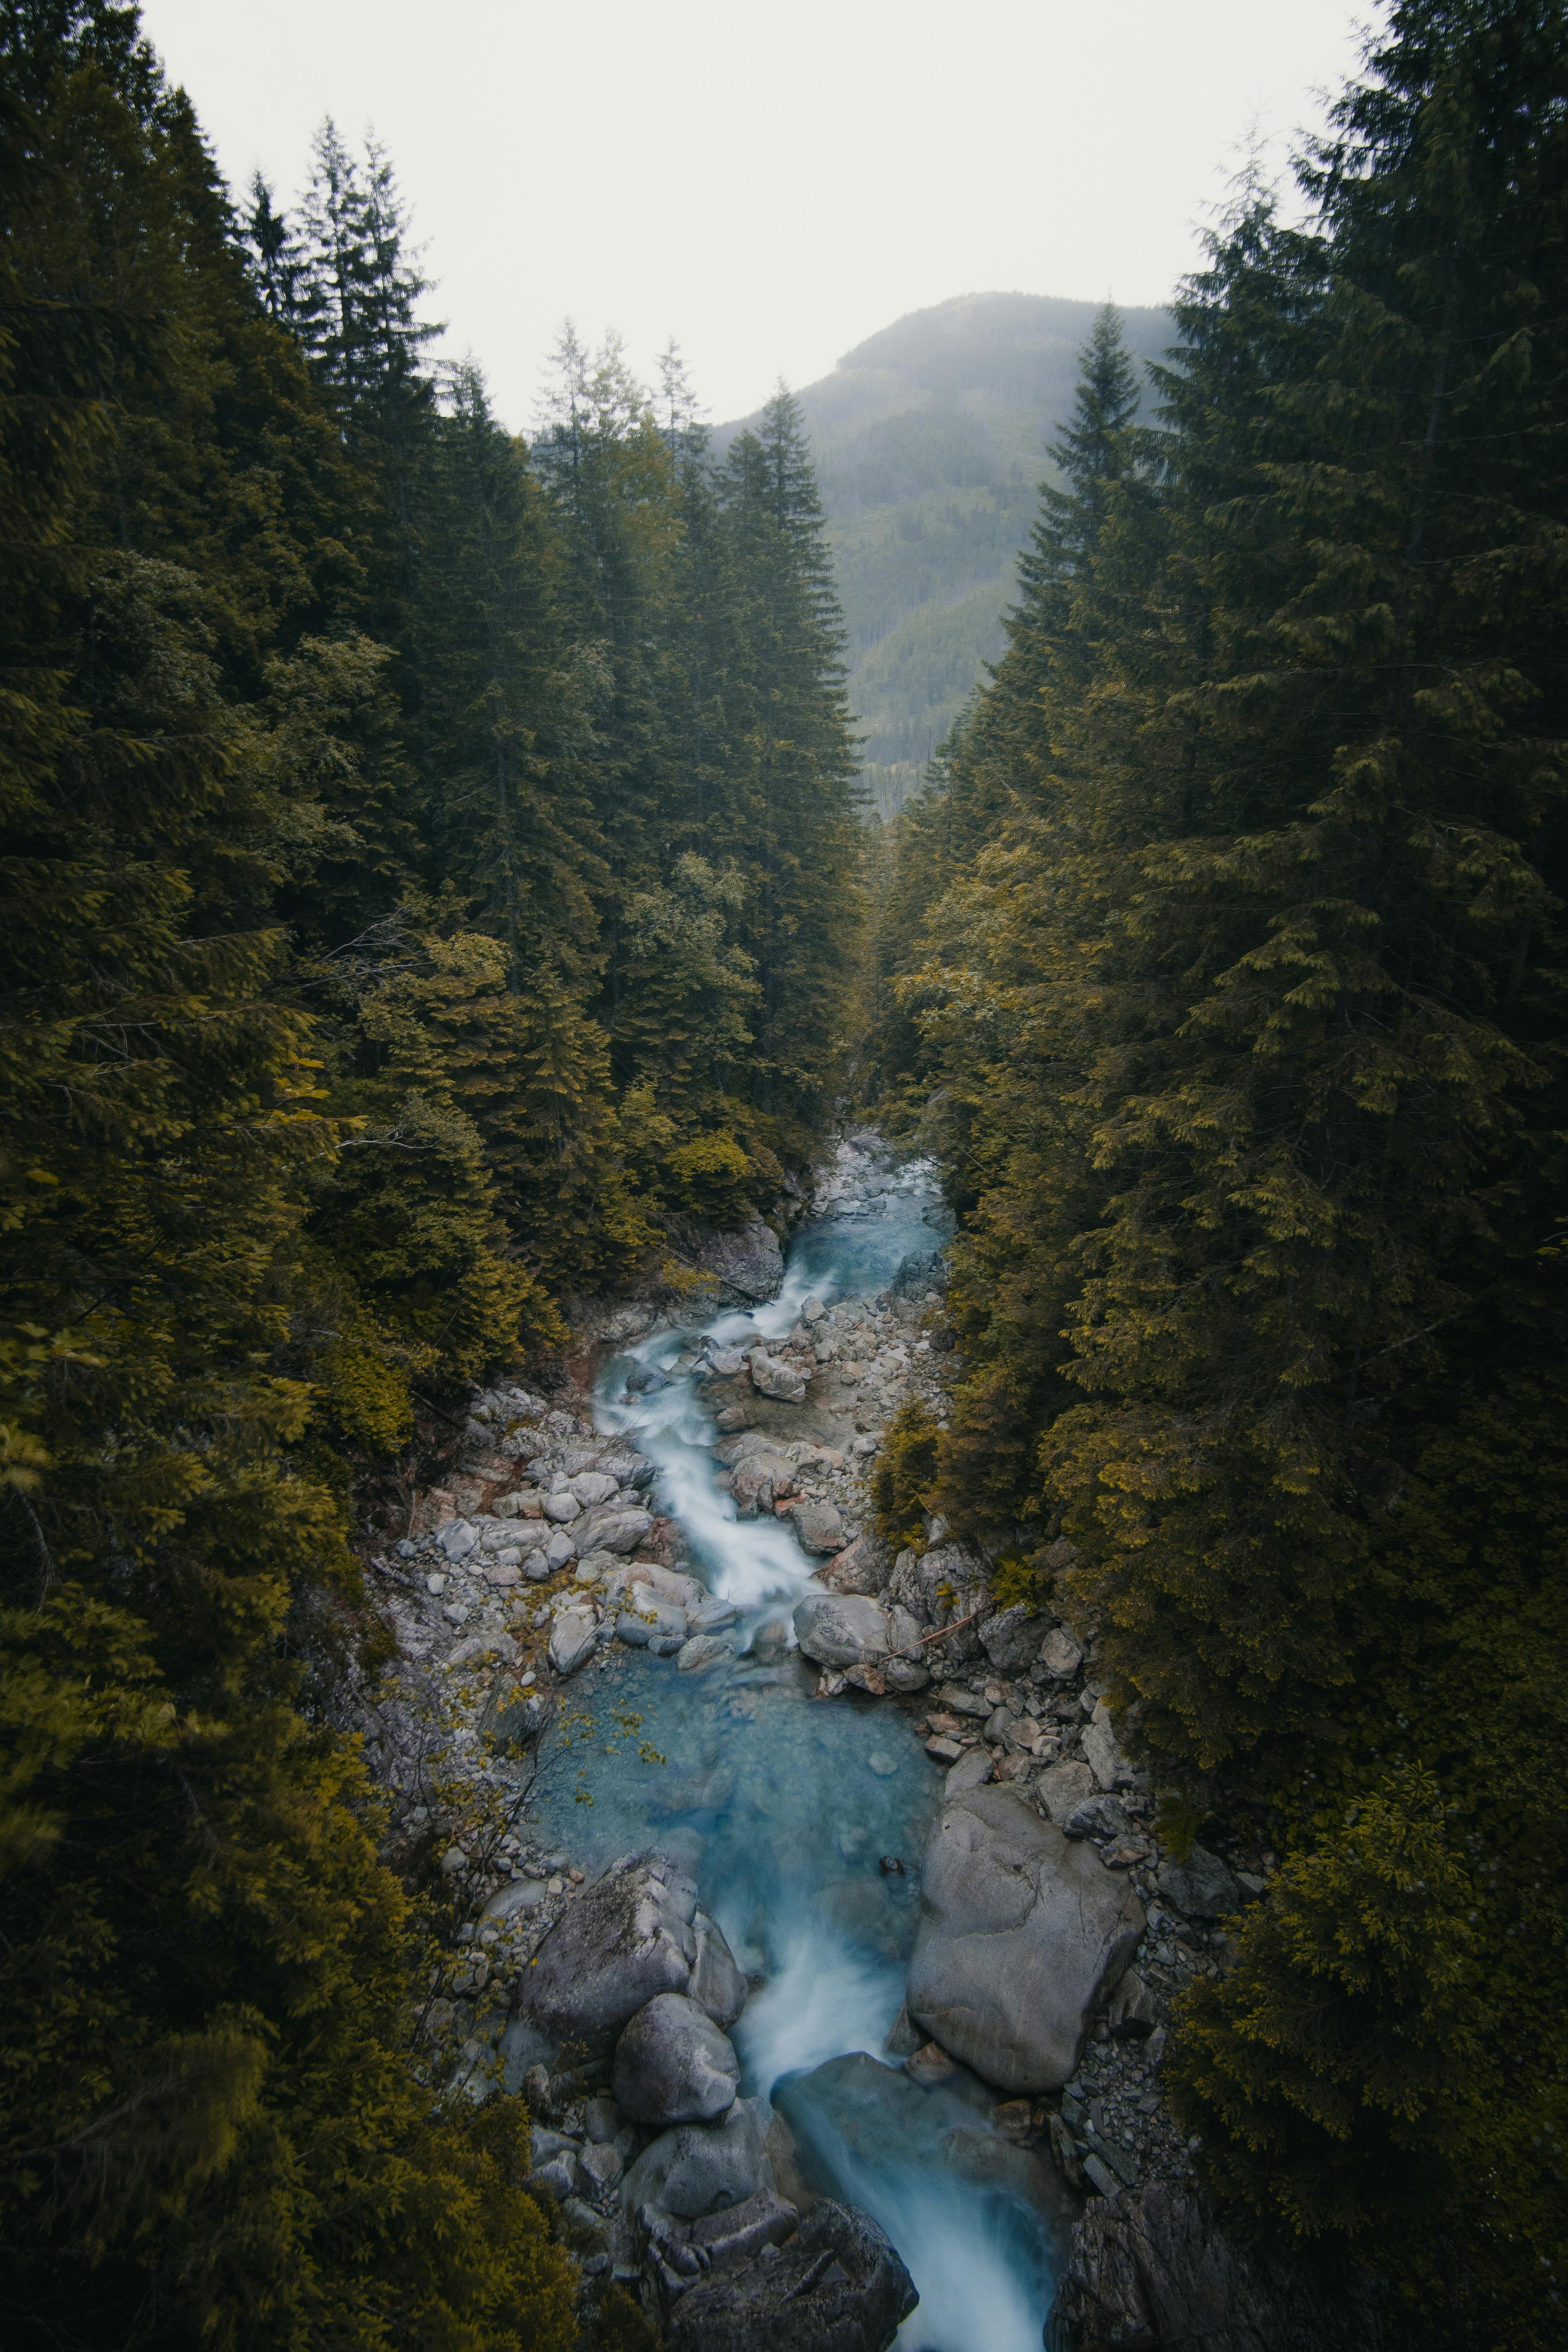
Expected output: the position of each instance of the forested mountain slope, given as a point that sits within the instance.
(1223, 965)
(929, 445)
(429, 869)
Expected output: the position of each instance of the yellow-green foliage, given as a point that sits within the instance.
(710, 1177)
(905, 1474)
(368, 1398)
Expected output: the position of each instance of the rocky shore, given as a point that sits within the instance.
(1056, 1929)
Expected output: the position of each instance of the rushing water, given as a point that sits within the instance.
(784, 1808)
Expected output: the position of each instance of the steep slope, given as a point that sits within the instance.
(928, 440)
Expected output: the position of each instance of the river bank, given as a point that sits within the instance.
(650, 1615)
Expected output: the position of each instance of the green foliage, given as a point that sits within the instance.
(1221, 964)
(905, 1474)
(710, 1176)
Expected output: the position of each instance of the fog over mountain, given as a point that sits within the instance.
(930, 444)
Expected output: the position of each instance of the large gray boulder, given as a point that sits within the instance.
(572, 1639)
(702, 2168)
(746, 1264)
(1201, 1887)
(673, 2065)
(836, 2286)
(939, 1586)
(759, 1481)
(717, 1984)
(1152, 2271)
(862, 1567)
(1011, 1638)
(817, 1526)
(1021, 1936)
(771, 1377)
(841, 1629)
(1102, 1752)
(627, 1939)
(614, 1529)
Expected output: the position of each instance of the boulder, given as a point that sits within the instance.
(704, 1650)
(772, 1378)
(678, 2253)
(572, 1639)
(1152, 2269)
(1021, 1936)
(713, 1617)
(673, 2065)
(627, 1939)
(1060, 1655)
(862, 1567)
(817, 1526)
(1012, 1639)
(841, 1629)
(1097, 1817)
(939, 1586)
(717, 1984)
(701, 2168)
(456, 1539)
(971, 1771)
(1104, 1757)
(614, 1529)
(1201, 1887)
(746, 1266)
(836, 2286)
(592, 1487)
(644, 1615)
(1062, 1787)
(560, 1549)
(759, 1480)
(563, 1508)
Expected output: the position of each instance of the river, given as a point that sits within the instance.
(786, 1808)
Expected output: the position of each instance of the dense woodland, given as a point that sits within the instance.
(1222, 961)
(432, 873)
(430, 869)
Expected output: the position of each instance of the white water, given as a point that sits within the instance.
(783, 1806)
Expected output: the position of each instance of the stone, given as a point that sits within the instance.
(614, 1530)
(627, 1939)
(645, 1614)
(713, 1617)
(1103, 1757)
(817, 1526)
(1152, 2268)
(602, 2164)
(759, 1481)
(456, 1539)
(1060, 1655)
(592, 1487)
(563, 1508)
(1061, 1788)
(701, 2168)
(947, 1751)
(1021, 1936)
(558, 1551)
(572, 1639)
(705, 1650)
(479, 1649)
(717, 1984)
(939, 1586)
(746, 1262)
(863, 1567)
(602, 2119)
(836, 2286)
(673, 2065)
(971, 1771)
(1132, 2013)
(841, 1629)
(726, 1362)
(931, 2064)
(1097, 1817)
(1011, 1639)
(772, 1378)
(1201, 1887)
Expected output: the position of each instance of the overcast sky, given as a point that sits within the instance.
(769, 183)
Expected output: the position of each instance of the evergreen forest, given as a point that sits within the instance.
(436, 883)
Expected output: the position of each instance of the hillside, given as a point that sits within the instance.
(928, 440)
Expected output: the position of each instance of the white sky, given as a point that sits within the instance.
(770, 183)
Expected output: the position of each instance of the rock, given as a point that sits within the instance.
(817, 1526)
(673, 2065)
(563, 1508)
(478, 1649)
(1061, 1788)
(971, 1771)
(627, 1939)
(836, 2286)
(644, 1615)
(644, 1379)
(1011, 1639)
(960, 1701)
(772, 1378)
(614, 1530)
(1103, 1757)
(592, 1487)
(862, 1567)
(456, 1539)
(1152, 2269)
(747, 1263)
(1132, 2014)
(759, 1481)
(733, 1417)
(1097, 1817)
(713, 1617)
(681, 2253)
(947, 1751)
(717, 1984)
(1021, 1936)
(1060, 1655)
(939, 1586)
(559, 1550)
(922, 1270)
(572, 1639)
(701, 2168)
(931, 2064)
(694, 1658)
(726, 1362)
(1202, 1887)
(602, 2163)
(841, 1629)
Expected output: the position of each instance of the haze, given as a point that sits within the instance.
(767, 185)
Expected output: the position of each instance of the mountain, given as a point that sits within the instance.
(929, 441)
